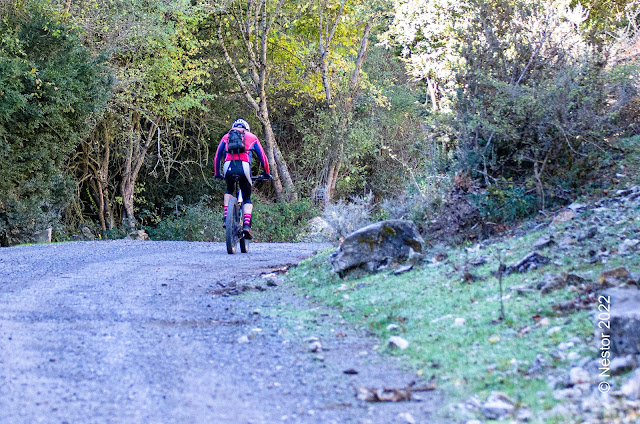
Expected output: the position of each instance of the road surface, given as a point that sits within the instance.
(151, 332)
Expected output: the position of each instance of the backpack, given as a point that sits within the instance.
(235, 142)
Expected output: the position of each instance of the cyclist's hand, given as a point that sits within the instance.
(219, 177)
(266, 176)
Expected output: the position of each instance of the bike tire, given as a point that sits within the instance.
(232, 223)
(244, 245)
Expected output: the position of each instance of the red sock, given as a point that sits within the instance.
(225, 211)
(247, 219)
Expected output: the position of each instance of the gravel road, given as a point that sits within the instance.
(141, 332)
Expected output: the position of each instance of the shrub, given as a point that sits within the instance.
(346, 218)
(505, 204)
(282, 222)
(50, 87)
(197, 222)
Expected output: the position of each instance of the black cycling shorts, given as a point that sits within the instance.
(243, 171)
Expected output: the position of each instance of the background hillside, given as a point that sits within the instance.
(111, 110)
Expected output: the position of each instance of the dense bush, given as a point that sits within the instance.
(197, 222)
(505, 203)
(519, 89)
(49, 86)
(281, 222)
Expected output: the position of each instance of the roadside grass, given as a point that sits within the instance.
(485, 354)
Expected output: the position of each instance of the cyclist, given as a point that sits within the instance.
(240, 164)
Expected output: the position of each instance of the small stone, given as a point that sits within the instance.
(524, 415)
(459, 322)
(43, 236)
(543, 241)
(563, 216)
(620, 365)
(497, 406)
(615, 277)
(571, 393)
(544, 322)
(243, 339)
(578, 375)
(87, 235)
(398, 342)
(587, 234)
(554, 330)
(631, 389)
(315, 346)
(138, 235)
(573, 356)
(576, 206)
(393, 327)
(628, 245)
(403, 269)
(538, 365)
(531, 261)
(567, 241)
(407, 418)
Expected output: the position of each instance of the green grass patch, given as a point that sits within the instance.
(485, 354)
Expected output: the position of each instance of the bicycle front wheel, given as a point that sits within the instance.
(233, 225)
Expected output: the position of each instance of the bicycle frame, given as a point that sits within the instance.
(235, 211)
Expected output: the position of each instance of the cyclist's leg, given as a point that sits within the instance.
(247, 208)
(228, 178)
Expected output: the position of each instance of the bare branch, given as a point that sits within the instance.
(241, 83)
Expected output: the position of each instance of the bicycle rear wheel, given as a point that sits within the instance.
(244, 245)
(233, 225)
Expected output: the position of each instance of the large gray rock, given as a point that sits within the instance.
(87, 235)
(137, 235)
(624, 322)
(377, 245)
(43, 236)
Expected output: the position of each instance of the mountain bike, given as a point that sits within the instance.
(235, 219)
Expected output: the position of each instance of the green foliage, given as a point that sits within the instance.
(202, 221)
(520, 89)
(197, 222)
(50, 86)
(499, 204)
(281, 222)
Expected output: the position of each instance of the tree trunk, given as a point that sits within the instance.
(269, 147)
(431, 86)
(106, 218)
(331, 169)
(136, 153)
(280, 164)
(255, 88)
(126, 190)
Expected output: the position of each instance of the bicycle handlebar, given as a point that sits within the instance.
(253, 178)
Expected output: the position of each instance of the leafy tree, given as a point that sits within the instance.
(50, 86)
(523, 89)
(253, 22)
(157, 57)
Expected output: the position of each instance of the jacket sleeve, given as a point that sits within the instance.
(257, 147)
(220, 155)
